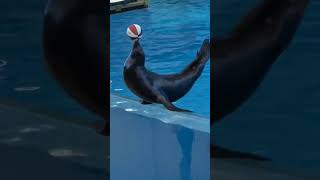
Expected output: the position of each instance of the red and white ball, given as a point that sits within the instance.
(134, 31)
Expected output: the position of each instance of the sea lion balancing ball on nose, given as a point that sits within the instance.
(134, 31)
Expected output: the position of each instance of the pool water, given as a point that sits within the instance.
(173, 32)
(281, 120)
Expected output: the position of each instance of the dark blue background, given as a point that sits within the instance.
(21, 49)
(282, 119)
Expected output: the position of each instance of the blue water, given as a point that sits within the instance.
(173, 31)
(281, 120)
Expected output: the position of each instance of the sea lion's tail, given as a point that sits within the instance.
(203, 55)
(222, 153)
(280, 19)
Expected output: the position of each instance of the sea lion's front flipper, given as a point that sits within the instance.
(162, 98)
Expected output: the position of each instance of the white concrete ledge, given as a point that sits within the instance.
(158, 112)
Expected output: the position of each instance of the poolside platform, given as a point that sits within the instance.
(154, 138)
(117, 6)
(150, 142)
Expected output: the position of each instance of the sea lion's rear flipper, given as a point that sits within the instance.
(172, 107)
(162, 98)
(272, 14)
(142, 101)
(201, 59)
(271, 24)
(203, 54)
(105, 130)
(222, 153)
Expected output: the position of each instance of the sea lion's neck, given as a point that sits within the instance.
(137, 55)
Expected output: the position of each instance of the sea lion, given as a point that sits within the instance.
(75, 50)
(162, 88)
(241, 60)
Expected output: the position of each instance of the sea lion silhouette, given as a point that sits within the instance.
(241, 60)
(74, 44)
